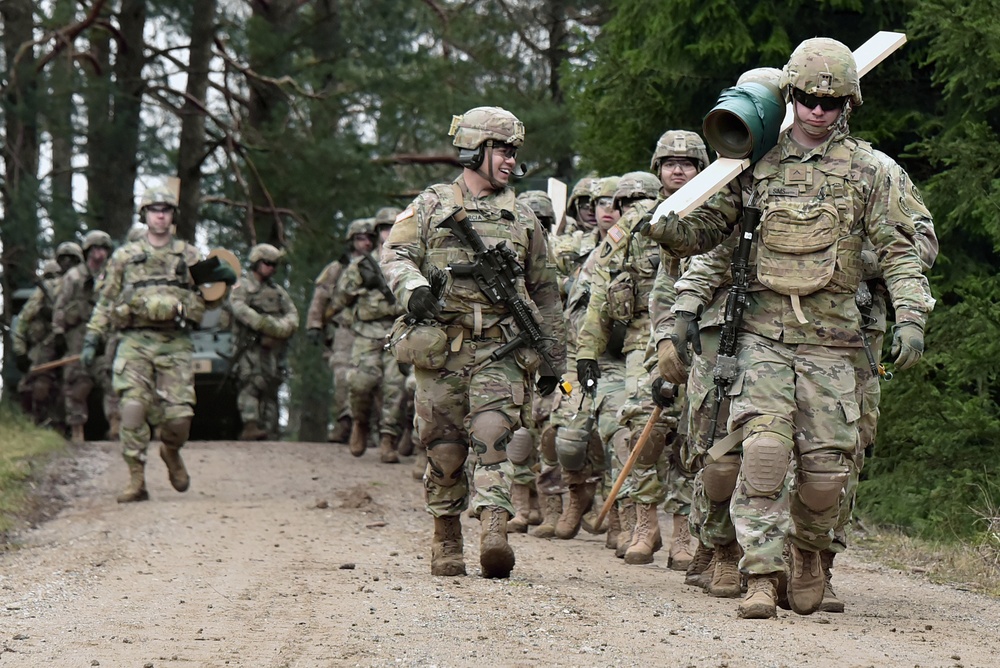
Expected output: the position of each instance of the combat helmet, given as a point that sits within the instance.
(606, 186)
(265, 252)
(679, 144)
(823, 67)
(360, 226)
(583, 190)
(97, 238)
(51, 269)
(539, 202)
(482, 126)
(386, 216)
(636, 185)
(69, 249)
(157, 195)
(768, 76)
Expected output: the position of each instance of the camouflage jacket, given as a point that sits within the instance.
(76, 300)
(569, 251)
(626, 268)
(145, 287)
(262, 307)
(818, 208)
(34, 322)
(371, 314)
(416, 243)
(320, 314)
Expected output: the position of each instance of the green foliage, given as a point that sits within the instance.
(23, 448)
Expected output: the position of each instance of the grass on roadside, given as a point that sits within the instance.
(24, 449)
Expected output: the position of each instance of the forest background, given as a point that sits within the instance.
(286, 119)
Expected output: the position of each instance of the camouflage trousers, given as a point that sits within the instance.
(448, 402)
(802, 397)
(709, 521)
(869, 396)
(524, 473)
(155, 369)
(259, 374)
(339, 359)
(651, 475)
(376, 372)
(79, 382)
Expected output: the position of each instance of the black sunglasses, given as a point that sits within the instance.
(811, 101)
(160, 208)
(269, 263)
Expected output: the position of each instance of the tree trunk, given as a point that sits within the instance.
(59, 122)
(192, 142)
(100, 147)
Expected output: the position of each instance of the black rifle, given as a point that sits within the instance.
(496, 271)
(866, 302)
(726, 366)
(371, 277)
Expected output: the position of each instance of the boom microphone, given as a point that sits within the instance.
(520, 171)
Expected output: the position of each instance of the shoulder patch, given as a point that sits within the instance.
(616, 234)
(404, 214)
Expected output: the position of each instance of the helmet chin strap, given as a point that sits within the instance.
(488, 174)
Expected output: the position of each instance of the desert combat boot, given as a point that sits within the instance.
(626, 515)
(551, 510)
(359, 437)
(805, 580)
(520, 498)
(179, 478)
(645, 536)
(830, 601)
(759, 602)
(76, 434)
(387, 449)
(446, 548)
(680, 545)
(614, 528)
(580, 497)
(699, 564)
(726, 576)
(136, 490)
(252, 432)
(496, 556)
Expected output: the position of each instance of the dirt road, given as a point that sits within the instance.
(299, 555)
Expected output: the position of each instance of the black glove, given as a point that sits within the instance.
(546, 385)
(315, 336)
(369, 279)
(91, 342)
(686, 332)
(212, 270)
(423, 305)
(907, 344)
(23, 363)
(663, 392)
(588, 372)
(59, 344)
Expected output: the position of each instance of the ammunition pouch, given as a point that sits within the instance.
(621, 298)
(423, 346)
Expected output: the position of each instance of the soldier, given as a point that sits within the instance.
(29, 341)
(462, 397)
(264, 319)
(374, 309)
(149, 295)
(619, 299)
(72, 310)
(821, 193)
(335, 332)
(581, 215)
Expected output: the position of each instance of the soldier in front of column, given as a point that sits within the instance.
(821, 194)
(264, 319)
(77, 297)
(28, 340)
(463, 398)
(149, 294)
(619, 300)
(376, 379)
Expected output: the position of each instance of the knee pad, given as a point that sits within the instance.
(133, 414)
(490, 432)
(719, 478)
(654, 446)
(174, 433)
(446, 461)
(767, 446)
(820, 478)
(571, 448)
(547, 444)
(521, 447)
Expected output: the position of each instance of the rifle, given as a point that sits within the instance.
(726, 366)
(372, 277)
(495, 270)
(865, 301)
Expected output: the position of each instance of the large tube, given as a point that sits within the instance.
(745, 122)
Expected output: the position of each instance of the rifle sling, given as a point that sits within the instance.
(722, 448)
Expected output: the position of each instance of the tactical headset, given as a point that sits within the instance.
(472, 158)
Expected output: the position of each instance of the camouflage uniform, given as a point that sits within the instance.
(457, 402)
(796, 393)
(264, 319)
(73, 307)
(376, 377)
(31, 342)
(623, 280)
(337, 332)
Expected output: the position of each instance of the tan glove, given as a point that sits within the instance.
(669, 365)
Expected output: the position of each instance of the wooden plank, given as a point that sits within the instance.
(696, 192)
(557, 193)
